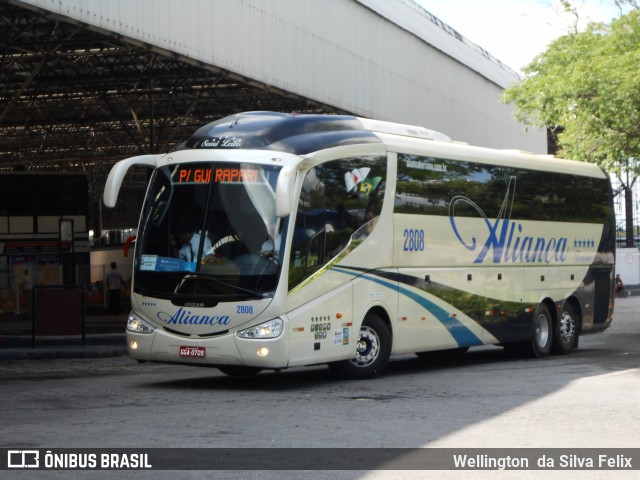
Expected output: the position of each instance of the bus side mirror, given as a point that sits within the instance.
(117, 173)
(284, 191)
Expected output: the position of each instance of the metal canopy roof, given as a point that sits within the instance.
(73, 97)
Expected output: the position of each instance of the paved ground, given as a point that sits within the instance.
(586, 399)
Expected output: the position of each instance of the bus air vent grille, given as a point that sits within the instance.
(175, 332)
(206, 335)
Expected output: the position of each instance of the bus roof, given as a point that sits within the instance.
(297, 134)
(301, 134)
(491, 156)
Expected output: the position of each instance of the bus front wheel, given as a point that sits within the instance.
(372, 351)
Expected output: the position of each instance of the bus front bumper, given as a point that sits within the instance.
(228, 349)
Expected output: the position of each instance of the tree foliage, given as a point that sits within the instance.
(587, 83)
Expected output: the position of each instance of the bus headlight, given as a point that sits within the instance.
(270, 329)
(136, 325)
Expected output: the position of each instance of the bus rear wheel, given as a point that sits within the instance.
(566, 333)
(541, 332)
(372, 351)
(541, 337)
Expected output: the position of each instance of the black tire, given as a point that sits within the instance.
(239, 370)
(566, 331)
(541, 332)
(539, 344)
(372, 352)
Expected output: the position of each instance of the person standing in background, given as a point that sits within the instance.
(115, 283)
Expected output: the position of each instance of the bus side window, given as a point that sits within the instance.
(337, 199)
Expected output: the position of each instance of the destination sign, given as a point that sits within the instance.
(218, 175)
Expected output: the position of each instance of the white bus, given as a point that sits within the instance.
(316, 239)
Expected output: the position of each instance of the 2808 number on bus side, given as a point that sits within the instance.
(413, 240)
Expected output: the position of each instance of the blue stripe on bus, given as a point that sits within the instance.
(460, 333)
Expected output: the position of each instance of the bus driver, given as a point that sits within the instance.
(189, 242)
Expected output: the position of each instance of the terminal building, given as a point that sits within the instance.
(85, 83)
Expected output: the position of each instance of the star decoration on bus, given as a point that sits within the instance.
(581, 243)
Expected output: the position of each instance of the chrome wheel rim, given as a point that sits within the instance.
(367, 349)
(542, 330)
(567, 327)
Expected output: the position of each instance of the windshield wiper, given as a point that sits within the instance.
(194, 284)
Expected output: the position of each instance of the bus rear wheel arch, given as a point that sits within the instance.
(373, 350)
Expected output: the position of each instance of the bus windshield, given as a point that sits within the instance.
(209, 232)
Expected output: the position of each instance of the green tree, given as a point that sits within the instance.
(586, 87)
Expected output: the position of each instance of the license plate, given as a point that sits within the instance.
(197, 352)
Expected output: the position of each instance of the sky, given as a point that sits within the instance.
(514, 31)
